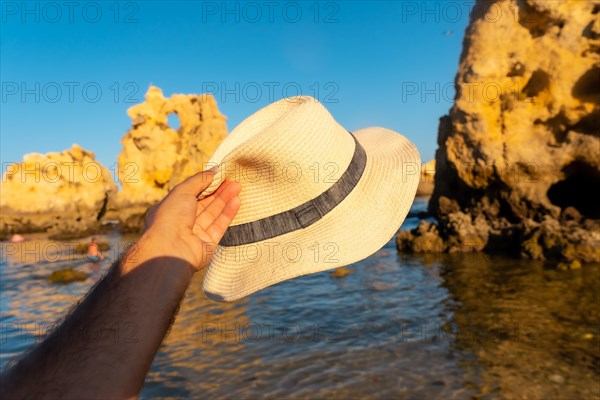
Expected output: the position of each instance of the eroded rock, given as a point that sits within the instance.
(157, 156)
(423, 239)
(64, 194)
(520, 148)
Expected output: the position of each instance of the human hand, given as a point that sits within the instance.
(182, 226)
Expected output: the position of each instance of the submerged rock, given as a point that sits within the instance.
(67, 275)
(64, 194)
(156, 156)
(518, 163)
(565, 266)
(340, 272)
(424, 239)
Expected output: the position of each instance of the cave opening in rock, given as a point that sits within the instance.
(589, 124)
(538, 82)
(173, 121)
(580, 189)
(103, 208)
(587, 87)
(536, 20)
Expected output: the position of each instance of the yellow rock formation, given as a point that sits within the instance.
(427, 178)
(59, 193)
(156, 156)
(520, 149)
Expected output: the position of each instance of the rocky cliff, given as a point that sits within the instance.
(157, 156)
(60, 193)
(425, 187)
(518, 162)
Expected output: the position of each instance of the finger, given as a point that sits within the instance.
(151, 212)
(217, 229)
(195, 184)
(205, 202)
(213, 210)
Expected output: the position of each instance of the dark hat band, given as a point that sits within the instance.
(303, 215)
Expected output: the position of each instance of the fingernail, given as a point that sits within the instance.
(214, 169)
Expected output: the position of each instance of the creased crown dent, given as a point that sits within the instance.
(288, 152)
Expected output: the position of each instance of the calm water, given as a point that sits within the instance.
(415, 327)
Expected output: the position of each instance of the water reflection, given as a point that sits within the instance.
(427, 326)
(535, 331)
(201, 347)
(316, 336)
(29, 303)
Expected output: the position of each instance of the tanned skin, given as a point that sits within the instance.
(104, 347)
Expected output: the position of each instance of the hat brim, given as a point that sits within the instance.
(356, 228)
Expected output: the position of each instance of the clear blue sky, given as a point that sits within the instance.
(70, 71)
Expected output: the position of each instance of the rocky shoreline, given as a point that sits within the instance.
(156, 156)
(70, 194)
(519, 172)
(515, 172)
(63, 194)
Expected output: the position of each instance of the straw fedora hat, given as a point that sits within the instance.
(314, 196)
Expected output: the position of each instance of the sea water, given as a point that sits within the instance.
(398, 326)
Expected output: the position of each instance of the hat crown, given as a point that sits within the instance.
(285, 154)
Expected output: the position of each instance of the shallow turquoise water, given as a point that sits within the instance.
(440, 326)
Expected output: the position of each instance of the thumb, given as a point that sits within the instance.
(195, 184)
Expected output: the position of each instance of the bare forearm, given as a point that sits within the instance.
(105, 346)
